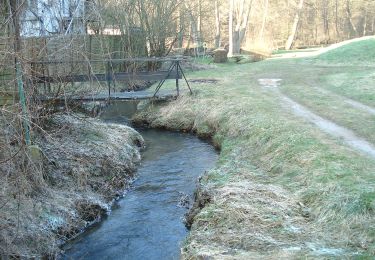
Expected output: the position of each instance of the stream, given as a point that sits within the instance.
(148, 222)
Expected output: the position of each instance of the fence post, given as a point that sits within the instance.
(108, 80)
(177, 77)
(25, 121)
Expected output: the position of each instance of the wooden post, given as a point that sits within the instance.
(177, 77)
(89, 62)
(25, 116)
(187, 82)
(46, 57)
(108, 76)
(113, 76)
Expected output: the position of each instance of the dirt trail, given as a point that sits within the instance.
(313, 52)
(348, 136)
(361, 106)
(331, 128)
(353, 103)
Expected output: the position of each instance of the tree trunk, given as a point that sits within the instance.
(353, 28)
(326, 22)
(241, 37)
(194, 25)
(218, 25)
(181, 28)
(241, 26)
(231, 40)
(236, 42)
(245, 22)
(292, 35)
(199, 24)
(265, 13)
(336, 21)
(365, 24)
(190, 35)
(15, 11)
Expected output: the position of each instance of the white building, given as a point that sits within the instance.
(49, 17)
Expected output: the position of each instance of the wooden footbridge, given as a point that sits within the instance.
(118, 72)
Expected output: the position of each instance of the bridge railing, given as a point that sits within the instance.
(52, 79)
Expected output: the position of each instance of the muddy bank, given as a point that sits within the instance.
(79, 166)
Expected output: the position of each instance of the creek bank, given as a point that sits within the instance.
(249, 206)
(147, 222)
(147, 117)
(85, 165)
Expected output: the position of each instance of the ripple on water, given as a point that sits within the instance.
(147, 222)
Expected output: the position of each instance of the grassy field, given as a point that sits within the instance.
(356, 53)
(282, 187)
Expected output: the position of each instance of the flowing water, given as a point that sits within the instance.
(148, 222)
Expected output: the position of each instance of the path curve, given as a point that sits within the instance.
(348, 136)
(313, 52)
(353, 103)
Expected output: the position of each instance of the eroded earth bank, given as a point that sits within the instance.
(77, 169)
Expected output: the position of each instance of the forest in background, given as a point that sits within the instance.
(255, 24)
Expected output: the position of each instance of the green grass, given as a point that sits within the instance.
(357, 84)
(277, 52)
(274, 164)
(334, 108)
(361, 52)
(202, 60)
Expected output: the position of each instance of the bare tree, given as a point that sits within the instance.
(325, 16)
(337, 19)
(15, 9)
(243, 15)
(231, 40)
(218, 25)
(265, 14)
(293, 32)
(241, 19)
(353, 27)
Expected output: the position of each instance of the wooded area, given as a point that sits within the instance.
(265, 24)
(156, 28)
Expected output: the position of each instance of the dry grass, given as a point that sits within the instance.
(282, 188)
(85, 164)
(267, 217)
